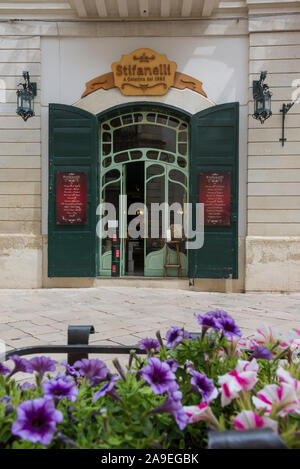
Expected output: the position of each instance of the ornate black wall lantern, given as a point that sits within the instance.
(25, 98)
(262, 99)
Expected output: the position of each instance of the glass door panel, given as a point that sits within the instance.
(155, 193)
(111, 189)
(123, 221)
(177, 197)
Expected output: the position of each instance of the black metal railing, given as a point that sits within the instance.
(77, 348)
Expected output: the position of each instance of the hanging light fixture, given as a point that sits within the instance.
(25, 98)
(262, 99)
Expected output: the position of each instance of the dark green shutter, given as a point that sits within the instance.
(214, 147)
(73, 144)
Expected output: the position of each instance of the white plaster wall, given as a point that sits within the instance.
(221, 63)
(20, 261)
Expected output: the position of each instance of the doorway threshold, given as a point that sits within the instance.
(140, 277)
(181, 283)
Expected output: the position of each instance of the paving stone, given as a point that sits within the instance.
(12, 334)
(43, 321)
(107, 334)
(24, 342)
(126, 340)
(4, 318)
(58, 338)
(108, 324)
(141, 328)
(34, 330)
(21, 324)
(4, 328)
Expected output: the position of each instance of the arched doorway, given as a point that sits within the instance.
(74, 178)
(144, 164)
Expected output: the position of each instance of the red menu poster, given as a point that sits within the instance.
(214, 193)
(71, 198)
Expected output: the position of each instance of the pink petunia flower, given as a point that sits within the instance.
(238, 344)
(201, 412)
(286, 377)
(267, 336)
(283, 397)
(244, 365)
(244, 342)
(247, 419)
(242, 378)
(293, 337)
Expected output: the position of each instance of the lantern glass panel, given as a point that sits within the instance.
(259, 105)
(28, 102)
(268, 104)
(20, 101)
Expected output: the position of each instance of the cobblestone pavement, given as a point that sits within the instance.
(125, 315)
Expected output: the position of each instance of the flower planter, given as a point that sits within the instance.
(247, 392)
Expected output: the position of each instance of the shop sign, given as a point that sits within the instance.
(214, 193)
(144, 72)
(71, 198)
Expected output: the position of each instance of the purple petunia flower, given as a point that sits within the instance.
(4, 370)
(60, 387)
(261, 352)
(148, 344)
(207, 321)
(227, 323)
(229, 327)
(42, 364)
(107, 388)
(9, 409)
(36, 420)
(205, 386)
(175, 335)
(218, 314)
(27, 385)
(71, 371)
(21, 364)
(173, 406)
(174, 390)
(159, 375)
(172, 364)
(5, 399)
(92, 369)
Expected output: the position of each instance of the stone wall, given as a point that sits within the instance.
(273, 241)
(20, 165)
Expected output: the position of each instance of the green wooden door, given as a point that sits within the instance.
(214, 151)
(73, 148)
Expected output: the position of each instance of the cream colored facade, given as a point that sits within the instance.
(64, 44)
